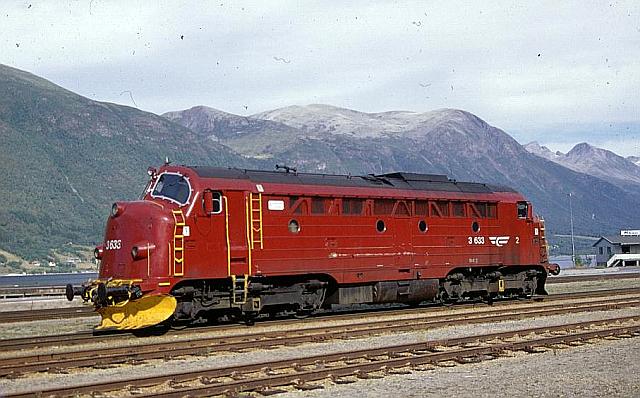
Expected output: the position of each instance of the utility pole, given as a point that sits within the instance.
(573, 246)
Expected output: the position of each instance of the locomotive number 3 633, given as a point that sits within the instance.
(476, 240)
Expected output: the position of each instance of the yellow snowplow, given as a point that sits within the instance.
(122, 305)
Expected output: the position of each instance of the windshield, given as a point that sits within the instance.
(173, 187)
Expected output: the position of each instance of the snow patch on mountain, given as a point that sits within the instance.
(320, 119)
(588, 159)
(544, 152)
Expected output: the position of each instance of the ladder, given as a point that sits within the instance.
(178, 242)
(544, 247)
(240, 288)
(255, 217)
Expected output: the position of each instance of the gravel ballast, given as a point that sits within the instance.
(155, 367)
(609, 368)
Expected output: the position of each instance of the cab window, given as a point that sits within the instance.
(173, 187)
(216, 201)
(523, 209)
(212, 202)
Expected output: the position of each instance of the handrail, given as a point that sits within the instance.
(226, 227)
(621, 257)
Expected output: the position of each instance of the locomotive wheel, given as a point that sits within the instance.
(250, 318)
(303, 314)
(489, 299)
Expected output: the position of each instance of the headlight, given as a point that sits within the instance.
(115, 210)
(97, 252)
(142, 250)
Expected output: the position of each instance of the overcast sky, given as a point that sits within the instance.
(556, 72)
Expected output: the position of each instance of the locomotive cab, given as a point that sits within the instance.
(132, 289)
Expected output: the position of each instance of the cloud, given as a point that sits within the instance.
(522, 67)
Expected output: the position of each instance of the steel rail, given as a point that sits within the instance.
(31, 291)
(71, 339)
(206, 345)
(590, 278)
(45, 314)
(235, 379)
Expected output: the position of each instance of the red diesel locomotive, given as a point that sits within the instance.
(205, 242)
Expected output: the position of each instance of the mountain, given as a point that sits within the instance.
(449, 141)
(542, 151)
(319, 120)
(64, 159)
(237, 132)
(634, 159)
(598, 162)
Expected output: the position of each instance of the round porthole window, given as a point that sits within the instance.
(380, 226)
(475, 226)
(294, 226)
(422, 226)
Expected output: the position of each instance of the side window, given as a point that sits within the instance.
(458, 209)
(523, 209)
(422, 208)
(478, 209)
(600, 251)
(317, 205)
(402, 209)
(443, 207)
(352, 206)
(292, 201)
(492, 210)
(299, 207)
(217, 202)
(439, 209)
(383, 206)
(435, 210)
(608, 249)
(212, 202)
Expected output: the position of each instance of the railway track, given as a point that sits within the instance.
(22, 362)
(71, 339)
(86, 311)
(84, 337)
(590, 278)
(31, 291)
(345, 367)
(45, 314)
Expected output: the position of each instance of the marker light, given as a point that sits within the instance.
(98, 252)
(116, 209)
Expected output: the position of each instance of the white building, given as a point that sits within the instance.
(619, 250)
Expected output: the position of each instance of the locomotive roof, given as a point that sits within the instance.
(398, 180)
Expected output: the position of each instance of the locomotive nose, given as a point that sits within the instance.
(134, 230)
